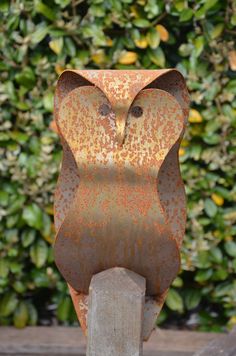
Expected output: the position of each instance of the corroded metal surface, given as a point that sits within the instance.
(120, 199)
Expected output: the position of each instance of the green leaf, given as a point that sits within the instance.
(231, 86)
(70, 47)
(203, 260)
(33, 216)
(15, 267)
(216, 255)
(220, 274)
(234, 264)
(21, 315)
(63, 3)
(141, 23)
(178, 282)
(19, 287)
(153, 38)
(230, 248)
(222, 289)
(195, 152)
(40, 33)
(180, 5)
(152, 8)
(48, 101)
(34, 145)
(186, 15)
(210, 208)
(192, 298)
(12, 221)
(4, 5)
(97, 11)
(39, 253)
(26, 78)
(212, 139)
(16, 204)
(209, 4)
(4, 136)
(233, 20)
(28, 237)
(45, 10)
(64, 309)
(216, 31)
(8, 304)
(174, 301)
(33, 315)
(46, 229)
(40, 278)
(4, 268)
(212, 126)
(185, 50)
(204, 9)
(203, 275)
(157, 56)
(4, 198)
(200, 13)
(199, 45)
(56, 45)
(19, 137)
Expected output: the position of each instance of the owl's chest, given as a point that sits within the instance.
(117, 205)
(116, 219)
(115, 223)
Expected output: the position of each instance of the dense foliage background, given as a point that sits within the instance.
(38, 39)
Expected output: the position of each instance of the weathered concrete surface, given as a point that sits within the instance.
(115, 313)
(66, 341)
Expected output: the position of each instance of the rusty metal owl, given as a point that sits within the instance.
(120, 200)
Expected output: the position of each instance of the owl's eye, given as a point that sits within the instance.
(137, 111)
(104, 109)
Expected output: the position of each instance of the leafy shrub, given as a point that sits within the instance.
(38, 40)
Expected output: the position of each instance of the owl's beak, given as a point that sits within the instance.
(120, 126)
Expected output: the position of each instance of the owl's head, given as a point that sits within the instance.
(134, 117)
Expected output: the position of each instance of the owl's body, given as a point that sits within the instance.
(120, 200)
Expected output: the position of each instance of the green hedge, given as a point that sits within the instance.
(38, 39)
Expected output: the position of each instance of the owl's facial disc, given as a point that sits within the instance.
(154, 123)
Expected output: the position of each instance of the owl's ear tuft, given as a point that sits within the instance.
(173, 82)
(67, 81)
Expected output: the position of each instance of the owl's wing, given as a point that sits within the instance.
(172, 194)
(170, 185)
(68, 182)
(67, 185)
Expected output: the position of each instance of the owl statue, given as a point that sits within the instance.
(120, 200)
